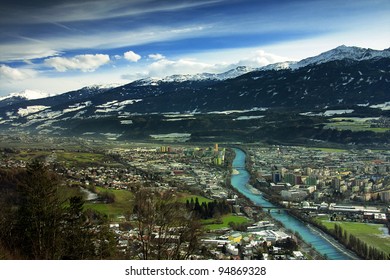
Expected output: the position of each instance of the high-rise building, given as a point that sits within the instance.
(311, 181)
(218, 161)
(276, 177)
(336, 183)
(289, 178)
(308, 171)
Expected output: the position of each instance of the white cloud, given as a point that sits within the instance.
(58, 45)
(55, 84)
(156, 56)
(261, 58)
(117, 57)
(165, 67)
(256, 58)
(85, 63)
(162, 67)
(25, 49)
(132, 56)
(15, 74)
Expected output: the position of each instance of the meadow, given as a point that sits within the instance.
(224, 221)
(372, 234)
(122, 205)
(354, 124)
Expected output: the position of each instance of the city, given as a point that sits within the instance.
(321, 187)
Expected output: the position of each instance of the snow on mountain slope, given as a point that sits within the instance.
(233, 73)
(29, 94)
(339, 53)
(31, 110)
(344, 52)
(104, 86)
(26, 94)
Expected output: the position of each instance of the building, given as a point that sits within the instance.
(289, 178)
(231, 249)
(276, 177)
(235, 237)
(385, 196)
(311, 181)
(336, 182)
(293, 195)
(298, 255)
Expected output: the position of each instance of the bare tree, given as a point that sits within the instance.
(166, 229)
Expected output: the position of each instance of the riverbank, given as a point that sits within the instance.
(334, 242)
(310, 237)
(306, 248)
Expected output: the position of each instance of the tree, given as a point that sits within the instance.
(38, 225)
(212, 209)
(166, 229)
(78, 238)
(41, 220)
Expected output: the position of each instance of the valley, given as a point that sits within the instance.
(313, 138)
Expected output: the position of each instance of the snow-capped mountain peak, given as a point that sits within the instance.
(230, 74)
(339, 53)
(233, 73)
(104, 86)
(278, 66)
(27, 94)
(344, 52)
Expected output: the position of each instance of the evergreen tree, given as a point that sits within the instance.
(38, 226)
(78, 237)
(40, 221)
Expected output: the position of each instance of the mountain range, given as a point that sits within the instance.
(348, 78)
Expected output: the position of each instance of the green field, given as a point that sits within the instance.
(212, 224)
(79, 157)
(371, 234)
(327, 150)
(70, 158)
(29, 155)
(354, 124)
(122, 205)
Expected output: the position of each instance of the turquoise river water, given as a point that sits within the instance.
(323, 243)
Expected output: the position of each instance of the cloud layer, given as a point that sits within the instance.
(45, 41)
(14, 74)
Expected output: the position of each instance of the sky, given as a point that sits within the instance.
(56, 46)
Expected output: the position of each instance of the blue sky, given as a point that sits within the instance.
(55, 46)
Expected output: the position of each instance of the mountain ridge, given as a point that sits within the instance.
(338, 53)
(347, 85)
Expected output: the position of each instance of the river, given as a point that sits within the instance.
(89, 196)
(323, 243)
